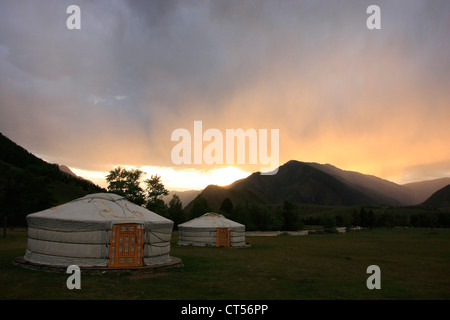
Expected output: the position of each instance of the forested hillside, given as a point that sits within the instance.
(29, 184)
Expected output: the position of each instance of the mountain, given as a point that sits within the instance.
(67, 170)
(17, 156)
(380, 190)
(313, 183)
(185, 196)
(301, 182)
(422, 190)
(29, 184)
(440, 199)
(406, 194)
(297, 182)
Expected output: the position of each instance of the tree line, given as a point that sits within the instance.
(254, 216)
(285, 217)
(127, 183)
(386, 217)
(289, 216)
(36, 187)
(29, 184)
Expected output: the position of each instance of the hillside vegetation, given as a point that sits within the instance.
(300, 194)
(439, 199)
(29, 184)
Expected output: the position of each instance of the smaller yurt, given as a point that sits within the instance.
(98, 230)
(211, 230)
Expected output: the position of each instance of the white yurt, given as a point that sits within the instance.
(211, 229)
(98, 230)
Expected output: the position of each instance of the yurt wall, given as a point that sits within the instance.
(211, 229)
(103, 230)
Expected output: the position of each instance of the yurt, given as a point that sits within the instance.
(211, 229)
(98, 230)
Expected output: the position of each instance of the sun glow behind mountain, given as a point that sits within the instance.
(113, 92)
(176, 180)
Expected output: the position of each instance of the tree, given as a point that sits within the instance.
(155, 188)
(260, 217)
(175, 210)
(199, 207)
(328, 221)
(155, 192)
(127, 184)
(157, 206)
(366, 218)
(227, 206)
(290, 216)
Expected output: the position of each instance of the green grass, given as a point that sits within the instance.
(414, 265)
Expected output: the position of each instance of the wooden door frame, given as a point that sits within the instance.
(127, 251)
(219, 237)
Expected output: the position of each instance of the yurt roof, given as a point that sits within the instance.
(211, 220)
(98, 208)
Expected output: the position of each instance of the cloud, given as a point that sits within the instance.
(114, 91)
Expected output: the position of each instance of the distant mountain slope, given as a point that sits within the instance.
(29, 184)
(67, 170)
(15, 155)
(422, 190)
(323, 184)
(185, 196)
(381, 190)
(439, 199)
(300, 182)
(296, 182)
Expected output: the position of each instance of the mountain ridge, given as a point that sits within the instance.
(439, 199)
(421, 190)
(314, 183)
(296, 181)
(29, 184)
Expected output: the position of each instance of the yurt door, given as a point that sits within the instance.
(126, 245)
(222, 237)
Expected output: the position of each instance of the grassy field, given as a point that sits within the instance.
(414, 263)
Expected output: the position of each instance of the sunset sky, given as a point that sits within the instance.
(112, 93)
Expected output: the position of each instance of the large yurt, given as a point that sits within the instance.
(211, 230)
(98, 230)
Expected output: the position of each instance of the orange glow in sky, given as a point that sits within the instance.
(114, 91)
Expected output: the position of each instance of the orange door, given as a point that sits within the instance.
(126, 245)
(222, 237)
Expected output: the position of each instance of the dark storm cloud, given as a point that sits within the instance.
(137, 70)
